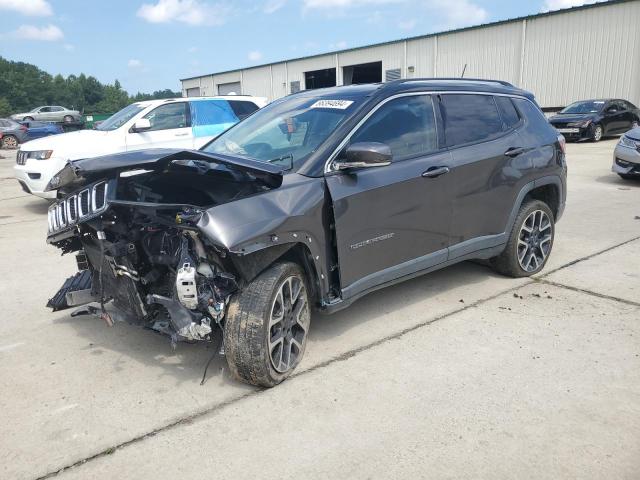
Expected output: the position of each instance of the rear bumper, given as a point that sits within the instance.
(626, 161)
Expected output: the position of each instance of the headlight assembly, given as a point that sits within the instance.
(582, 124)
(40, 154)
(627, 142)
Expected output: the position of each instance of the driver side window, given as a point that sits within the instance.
(406, 124)
(168, 116)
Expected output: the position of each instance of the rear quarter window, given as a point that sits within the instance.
(470, 118)
(508, 113)
(242, 108)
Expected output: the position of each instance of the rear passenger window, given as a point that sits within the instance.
(407, 125)
(243, 109)
(211, 117)
(508, 112)
(470, 118)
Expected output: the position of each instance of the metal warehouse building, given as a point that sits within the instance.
(577, 53)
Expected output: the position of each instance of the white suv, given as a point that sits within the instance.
(186, 123)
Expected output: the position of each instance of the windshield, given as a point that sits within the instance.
(286, 132)
(120, 118)
(591, 106)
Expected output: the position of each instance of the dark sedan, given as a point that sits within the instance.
(594, 119)
(12, 133)
(41, 129)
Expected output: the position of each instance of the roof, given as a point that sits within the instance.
(417, 37)
(415, 85)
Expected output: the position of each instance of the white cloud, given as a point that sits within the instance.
(330, 4)
(50, 33)
(134, 63)
(459, 13)
(254, 56)
(191, 12)
(35, 8)
(338, 45)
(192, 49)
(559, 4)
(68, 47)
(406, 24)
(272, 6)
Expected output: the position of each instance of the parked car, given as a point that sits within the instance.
(312, 202)
(13, 133)
(179, 123)
(626, 156)
(594, 119)
(50, 113)
(41, 129)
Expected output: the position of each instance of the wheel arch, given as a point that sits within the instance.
(547, 189)
(251, 265)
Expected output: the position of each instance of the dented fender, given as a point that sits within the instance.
(296, 212)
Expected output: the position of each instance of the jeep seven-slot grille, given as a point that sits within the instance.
(21, 158)
(84, 205)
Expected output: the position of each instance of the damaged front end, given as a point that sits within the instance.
(135, 221)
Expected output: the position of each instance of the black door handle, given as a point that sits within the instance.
(514, 152)
(434, 172)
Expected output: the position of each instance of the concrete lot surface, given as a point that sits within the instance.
(457, 374)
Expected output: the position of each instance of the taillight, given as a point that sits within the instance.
(563, 144)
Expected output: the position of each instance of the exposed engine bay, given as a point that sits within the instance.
(141, 254)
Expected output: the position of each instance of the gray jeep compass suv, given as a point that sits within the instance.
(310, 203)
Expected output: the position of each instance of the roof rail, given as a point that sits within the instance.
(500, 82)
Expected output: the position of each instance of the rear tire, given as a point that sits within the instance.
(267, 325)
(597, 132)
(530, 241)
(67, 119)
(9, 141)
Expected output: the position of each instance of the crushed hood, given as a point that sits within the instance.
(78, 172)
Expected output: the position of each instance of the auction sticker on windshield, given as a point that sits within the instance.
(338, 104)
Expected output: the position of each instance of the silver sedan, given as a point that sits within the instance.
(49, 113)
(626, 156)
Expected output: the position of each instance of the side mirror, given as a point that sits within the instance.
(141, 125)
(364, 155)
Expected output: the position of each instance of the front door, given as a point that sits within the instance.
(393, 221)
(170, 128)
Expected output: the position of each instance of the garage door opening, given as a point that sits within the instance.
(232, 88)
(363, 73)
(320, 78)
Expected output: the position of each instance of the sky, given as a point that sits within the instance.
(150, 44)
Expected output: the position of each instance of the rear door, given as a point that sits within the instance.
(210, 118)
(393, 221)
(486, 154)
(170, 128)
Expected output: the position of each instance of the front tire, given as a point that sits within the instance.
(597, 132)
(67, 119)
(628, 176)
(530, 241)
(267, 325)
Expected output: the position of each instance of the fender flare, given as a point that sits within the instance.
(542, 181)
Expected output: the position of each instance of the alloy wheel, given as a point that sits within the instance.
(597, 133)
(288, 324)
(534, 241)
(9, 142)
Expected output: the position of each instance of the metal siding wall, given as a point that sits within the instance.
(491, 52)
(257, 82)
(584, 54)
(587, 53)
(420, 55)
